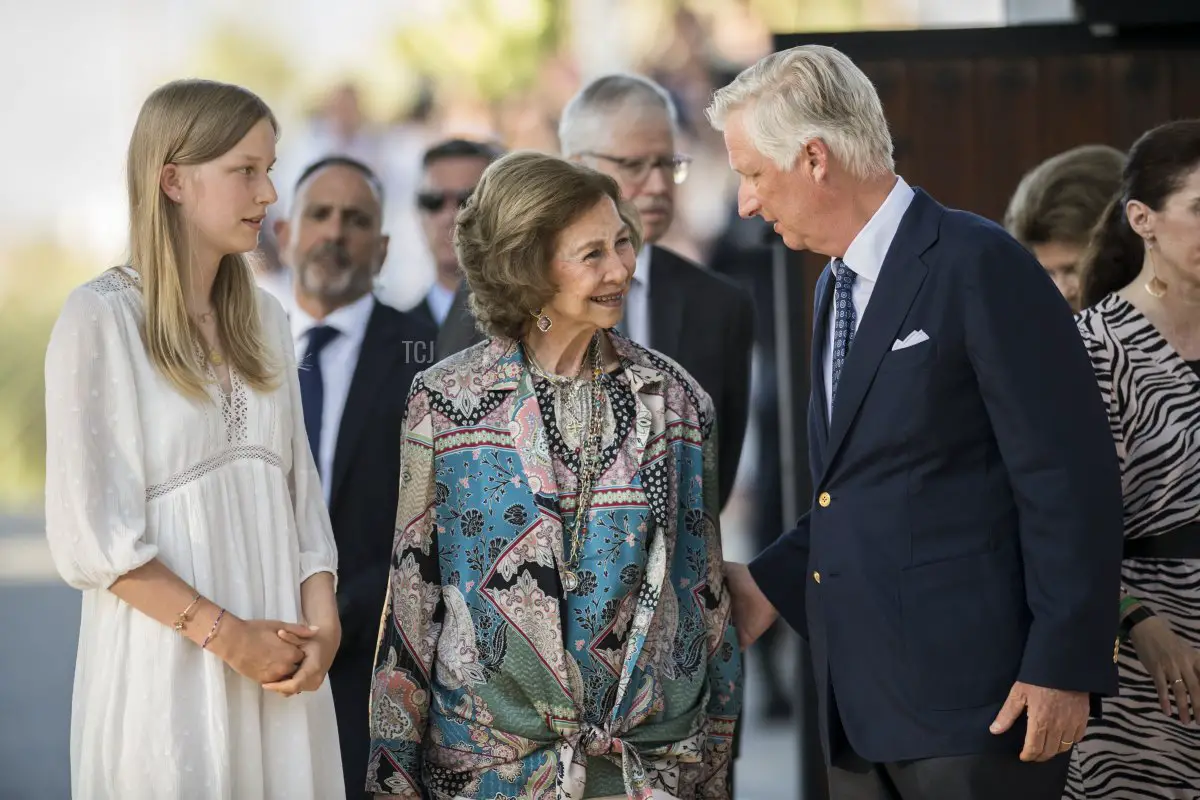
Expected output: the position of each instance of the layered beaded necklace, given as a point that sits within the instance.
(586, 420)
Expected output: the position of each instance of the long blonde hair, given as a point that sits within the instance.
(191, 122)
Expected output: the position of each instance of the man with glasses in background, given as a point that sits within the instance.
(625, 126)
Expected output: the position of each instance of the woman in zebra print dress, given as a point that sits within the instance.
(1142, 283)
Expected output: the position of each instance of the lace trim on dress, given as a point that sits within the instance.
(233, 410)
(233, 405)
(113, 281)
(222, 459)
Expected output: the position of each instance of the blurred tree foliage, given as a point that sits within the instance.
(35, 278)
(236, 54)
(489, 47)
(494, 48)
(786, 16)
(809, 15)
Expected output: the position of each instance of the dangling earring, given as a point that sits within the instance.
(543, 322)
(1156, 287)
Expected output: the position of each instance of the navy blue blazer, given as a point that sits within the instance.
(967, 525)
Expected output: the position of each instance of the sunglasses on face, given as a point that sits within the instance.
(433, 202)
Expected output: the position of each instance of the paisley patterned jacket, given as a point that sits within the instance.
(493, 681)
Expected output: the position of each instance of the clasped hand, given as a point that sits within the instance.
(318, 649)
(283, 657)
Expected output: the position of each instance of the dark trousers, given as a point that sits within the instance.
(350, 681)
(987, 776)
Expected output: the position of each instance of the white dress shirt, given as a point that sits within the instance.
(439, 299)
(865, 256)
(338, 361)
(637, 302)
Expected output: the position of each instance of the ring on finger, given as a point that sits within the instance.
(1177, 682)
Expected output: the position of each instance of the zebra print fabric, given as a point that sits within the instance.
(1135, 752)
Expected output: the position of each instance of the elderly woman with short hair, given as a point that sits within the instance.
(557, 624)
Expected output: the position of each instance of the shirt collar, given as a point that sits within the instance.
(350, 320)
(440, 299)
(641, 272)
(866, 253)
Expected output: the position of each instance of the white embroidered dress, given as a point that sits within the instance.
(136, 471)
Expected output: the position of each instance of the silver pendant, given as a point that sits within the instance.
(570, 581)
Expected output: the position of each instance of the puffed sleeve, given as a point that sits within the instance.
(95, 479)
(318, 552)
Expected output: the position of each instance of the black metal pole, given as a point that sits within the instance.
(792, 319)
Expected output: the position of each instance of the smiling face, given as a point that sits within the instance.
(592, 265)
(333, 240)
(223, 201)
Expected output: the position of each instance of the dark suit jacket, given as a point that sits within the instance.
(702, 320)
(705, 322)
(363, 500)
(366, 464)
(423, 312)
(967, 528)
(458, 331)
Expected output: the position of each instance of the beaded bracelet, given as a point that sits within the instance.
(182, 618)
(213, 632)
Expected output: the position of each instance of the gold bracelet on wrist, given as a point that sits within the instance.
(183, 618)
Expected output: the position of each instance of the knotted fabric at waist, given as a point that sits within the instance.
(637, 763)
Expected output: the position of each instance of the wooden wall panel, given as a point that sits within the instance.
(943, 131)
(1009, 119)
(893, 84)
(968, 129)
(1073, 103)
(1141, 95)
(1185, 85)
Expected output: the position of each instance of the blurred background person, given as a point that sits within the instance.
(360, 357)
(450, 170)
(1056, 206)
(743, 253)
(339, 126)
(1141, 289)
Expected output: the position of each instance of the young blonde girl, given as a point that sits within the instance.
(181, 496)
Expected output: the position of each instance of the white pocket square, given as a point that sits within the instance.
(916, 337)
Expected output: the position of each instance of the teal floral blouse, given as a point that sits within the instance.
(491, 679)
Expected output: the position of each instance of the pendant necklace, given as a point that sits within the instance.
(590, 423)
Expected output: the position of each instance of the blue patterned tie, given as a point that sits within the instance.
(312, 386)
(843, 325)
